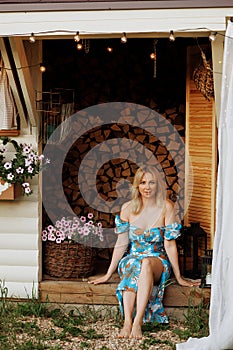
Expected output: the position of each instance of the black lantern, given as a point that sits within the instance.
(194, 246)
(206, 268)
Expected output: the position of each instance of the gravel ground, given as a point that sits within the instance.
(109, 340)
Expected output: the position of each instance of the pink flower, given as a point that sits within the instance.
(51, 229)
(51, 237)
(86, 231)
(83, 219)
(90, 215)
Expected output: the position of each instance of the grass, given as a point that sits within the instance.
(33, 325)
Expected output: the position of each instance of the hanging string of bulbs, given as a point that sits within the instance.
(85, 43)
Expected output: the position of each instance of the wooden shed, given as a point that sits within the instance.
(21, 220)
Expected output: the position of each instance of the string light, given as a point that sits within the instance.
(32, 38)
(212, 36)
(79, 46)
(172, 36)
(42, 68)
(77, 37)
(152, 55)
(109, 49)
(124, 38)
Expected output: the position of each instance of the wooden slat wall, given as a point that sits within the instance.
(201, 146)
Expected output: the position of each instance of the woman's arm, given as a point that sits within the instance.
(118, 252)
(171, 249)
(120, 248)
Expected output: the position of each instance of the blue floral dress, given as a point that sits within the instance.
(147, 244)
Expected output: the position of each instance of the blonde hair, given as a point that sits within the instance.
(136, 202)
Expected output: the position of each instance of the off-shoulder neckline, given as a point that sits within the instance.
(148, 230)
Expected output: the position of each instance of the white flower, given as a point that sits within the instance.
(8, 165)
(30, 169)
(27, 190)
(27, 148)
(10, 176)
(28, 162)
(20, 170)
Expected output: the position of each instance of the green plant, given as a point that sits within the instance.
(3, 297)
(24, 165)
(196, 318)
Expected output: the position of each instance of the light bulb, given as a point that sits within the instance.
(42, 68)
(172, 36)
(32, 38)
(124, 38)
(212, 36)
(152, 55)
(79, 46)
(76, 37)
(109, 49)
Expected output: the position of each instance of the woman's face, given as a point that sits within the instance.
(148, 185)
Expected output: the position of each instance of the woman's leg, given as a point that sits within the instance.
(151, 271)
(129, 299)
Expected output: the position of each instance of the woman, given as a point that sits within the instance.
(144, 252)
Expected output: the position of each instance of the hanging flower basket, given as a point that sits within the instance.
(9, 191)
(68, 259)
(23, 166)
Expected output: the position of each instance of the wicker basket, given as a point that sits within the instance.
(68, 259)
(203, 78)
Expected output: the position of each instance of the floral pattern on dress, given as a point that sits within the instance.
(147, 244)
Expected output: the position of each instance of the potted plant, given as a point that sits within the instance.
(24, 165)
(69, 246)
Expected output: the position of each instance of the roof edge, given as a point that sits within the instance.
(96, 5)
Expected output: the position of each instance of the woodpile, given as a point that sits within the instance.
(111, 173)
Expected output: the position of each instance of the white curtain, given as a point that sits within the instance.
(7, 108)
(221, 303)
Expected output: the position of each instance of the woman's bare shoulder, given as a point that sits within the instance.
(169, 205)
(125, 211)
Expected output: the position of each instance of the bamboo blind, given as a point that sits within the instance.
(201, 150)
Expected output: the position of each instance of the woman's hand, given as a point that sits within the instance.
(102, 279)
(188, 282)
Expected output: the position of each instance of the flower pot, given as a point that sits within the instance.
(68, 259)
(9, 191)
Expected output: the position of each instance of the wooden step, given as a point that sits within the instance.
(81, 292)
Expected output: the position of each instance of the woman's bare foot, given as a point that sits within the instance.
(126, 330)
(136, 331)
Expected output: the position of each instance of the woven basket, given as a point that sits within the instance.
(203, 78)
(68, 259)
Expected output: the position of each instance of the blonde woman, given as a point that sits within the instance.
(145, 252)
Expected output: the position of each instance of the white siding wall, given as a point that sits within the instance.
(20, 241)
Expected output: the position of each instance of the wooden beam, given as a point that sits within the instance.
(24, 75)
(23, 119)
(79, 292)
(217, 58)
